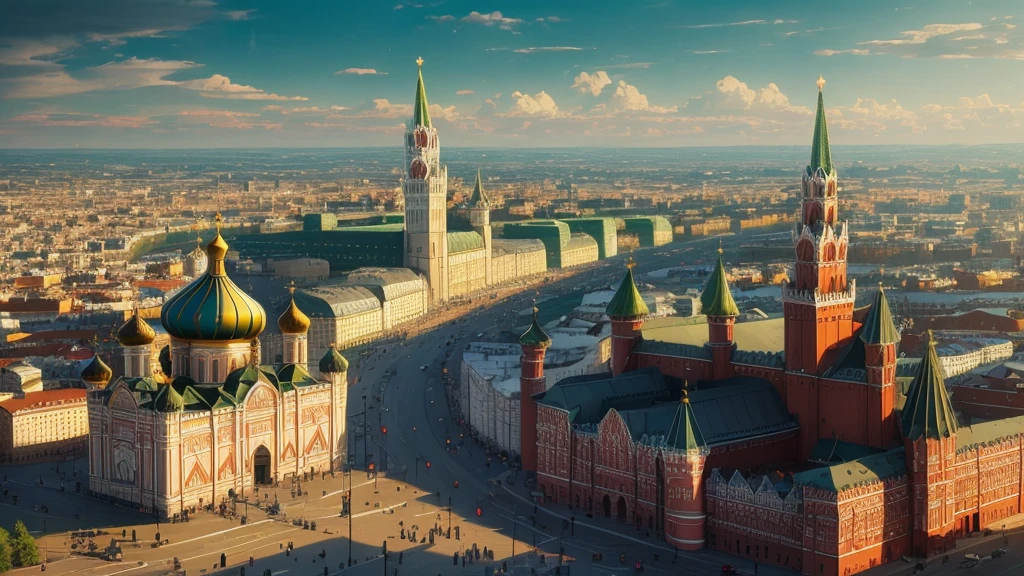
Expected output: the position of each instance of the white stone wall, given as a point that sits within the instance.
(467, 272)
(509, 267)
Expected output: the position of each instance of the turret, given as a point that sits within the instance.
(334, 368)
(716, 302)
(929, 428)
(684, 453)
(136, 336)
(534, 343)
(294, 326)
(480, 219)
(627, 311)
(96, 374)
(879, 336)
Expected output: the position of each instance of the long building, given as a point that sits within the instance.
(676, 439)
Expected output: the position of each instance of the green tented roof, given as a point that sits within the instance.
(878, 326)
(928, 412)
(684, 433)
(821, 153)
(627, 302)
(464, 242)
(716, 299)
(479, 197)
(296, 375)
(421, 114)
(535, 335)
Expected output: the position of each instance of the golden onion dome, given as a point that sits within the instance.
(96, 372)
(136, 331)
(213, 307)
(293, 321)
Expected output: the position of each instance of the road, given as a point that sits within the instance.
(419, 427)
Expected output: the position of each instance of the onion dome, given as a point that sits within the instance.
(293, 321)
(333, 362)
(535, 336)
(136, 331)
(212, 307)
(716, 299)
(96, 372)
(928, 413)
(627, 302)
(195, 262)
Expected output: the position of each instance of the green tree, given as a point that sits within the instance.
(26, 553)
(5, 551)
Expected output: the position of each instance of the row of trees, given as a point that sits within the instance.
(18, 550)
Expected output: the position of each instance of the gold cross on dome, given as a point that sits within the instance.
(419, 62)
(821, 82)
(218, 219)
(291, 287)
(720, 250)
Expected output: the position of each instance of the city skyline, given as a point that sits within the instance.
(183, 74)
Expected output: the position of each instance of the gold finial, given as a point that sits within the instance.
(821, 82)
(931, 337)
(218, 220)
(535, 310)
(686, 392)
(721, 251)
(332, 345)
(630, 263)
(291, 288)
(419, 62)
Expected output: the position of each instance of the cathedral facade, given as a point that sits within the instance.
(814, 457)
(213, 420)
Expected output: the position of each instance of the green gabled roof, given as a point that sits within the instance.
(535, 336)
(716, 299)
(878, 326)
(168, 400)
(224, 400)
(928, 412)
(684, 433)
(479, 197)
(821, 153)
(295, 374)
(333, 362)
(420, 113)
(627, 302)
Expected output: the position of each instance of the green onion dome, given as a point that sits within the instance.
(136, 332)
(535, 336)
(96, 372)
(333, 362)
(212, 307)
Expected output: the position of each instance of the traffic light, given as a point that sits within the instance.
(372, 467)
(428, 464)
(479, 512)
(384, 430)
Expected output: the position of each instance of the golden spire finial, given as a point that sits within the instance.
(720, 249)
(291, 288)
(630, 263)
(535, 310)
(931, 338)
(218, 220)
(332, 345)
(686, 392)
(419, 62)
(821, 82)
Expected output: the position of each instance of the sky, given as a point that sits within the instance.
(530, 73)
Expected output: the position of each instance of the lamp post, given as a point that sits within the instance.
(366, 432)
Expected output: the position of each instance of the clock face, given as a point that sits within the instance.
(418, 169)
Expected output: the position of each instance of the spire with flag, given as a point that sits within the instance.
(420, 113)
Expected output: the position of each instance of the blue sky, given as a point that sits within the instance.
(243, 73)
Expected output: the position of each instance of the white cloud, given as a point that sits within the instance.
(231, 119)
(533, 49)
(997, 40)
(445, 18)
(74, 119)
(464, 92)
(492, 19)
(732, 94)
(220, 86)
(852, 52)
(592, 83)
(740, 23)
(120, 75)
(302, 109)
(641, 65)
(628, 98)
(361, 72)
(540, 104)
(238, 14)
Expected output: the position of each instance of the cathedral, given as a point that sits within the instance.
(212, 420)
(787, 441)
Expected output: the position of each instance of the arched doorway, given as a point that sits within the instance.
(620, 509)
(261, 466)
(607, 505)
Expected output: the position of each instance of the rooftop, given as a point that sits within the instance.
(758, 336)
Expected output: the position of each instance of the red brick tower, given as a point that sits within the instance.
(879, 337)
(929, 432)
(534, 343)
(818, 302)
(716, 302)
(683, 469)
(627, 311)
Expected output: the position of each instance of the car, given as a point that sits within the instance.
(424, 368)
(480, 335)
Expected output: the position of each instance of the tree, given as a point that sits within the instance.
(25, 551)
(5, 551)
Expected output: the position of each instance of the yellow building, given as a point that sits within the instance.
(46, 425)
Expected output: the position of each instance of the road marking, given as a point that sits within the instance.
(205, 536)
(346, 489)
(142, 565)
(427, 513)
(367, 513)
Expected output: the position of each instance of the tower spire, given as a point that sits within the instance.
(479, 197)
(821, 153)
(716, 299)
(421, 116)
